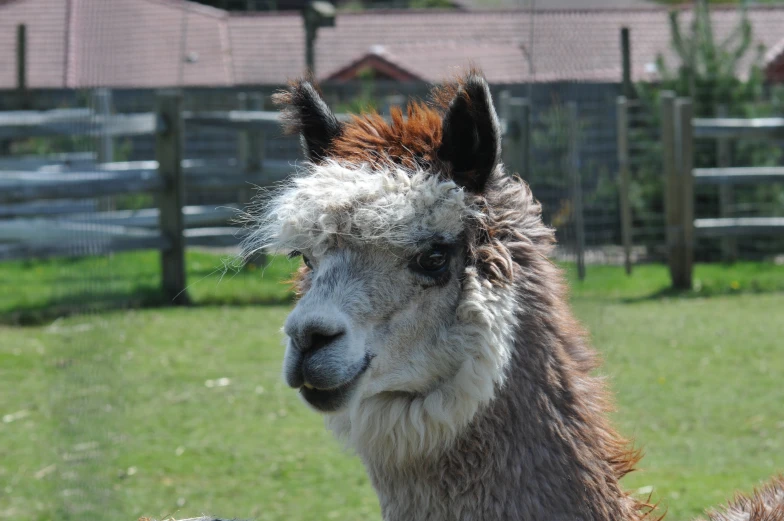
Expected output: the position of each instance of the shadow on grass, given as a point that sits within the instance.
(668, 293)
(141, 298)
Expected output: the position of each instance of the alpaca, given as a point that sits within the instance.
(432, 331)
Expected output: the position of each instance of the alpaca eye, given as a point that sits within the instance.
(431, 262)
(297, 253)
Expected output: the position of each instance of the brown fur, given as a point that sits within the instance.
(544, 447)
(764, 504)
(409, 142)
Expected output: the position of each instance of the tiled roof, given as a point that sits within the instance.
(154, 43)
(135, 43)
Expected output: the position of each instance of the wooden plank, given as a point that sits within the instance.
(81, 248)
(80, 242)
(684, 116)
(24, 186)
(56, 207)
(577, 190)
(242, 119)
(739, 175)
(672, 205)
(33, 118)
(45, 231)
(211, 174)
(74, 160)
(168, 152)
(206, 215)
(739, 226)
(236, 119)
(738, 128)
(31, 186)
(623, 181)
(74, 122)
(190, 165)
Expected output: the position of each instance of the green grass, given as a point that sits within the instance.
(165, 411)
(41, 290)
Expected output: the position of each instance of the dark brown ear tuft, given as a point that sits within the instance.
(471, 141)
(304, 112)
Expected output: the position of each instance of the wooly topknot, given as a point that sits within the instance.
(331, 202)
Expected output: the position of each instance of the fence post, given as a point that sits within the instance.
(251, 145)
(251, 157)
(515, 139)
(21, 67)
(685, 164)
(577, 190)
(729, 245)
(525, 138)
(508, 140)
(623, 181)
(168, 152)
(671, 189)
(103, 105)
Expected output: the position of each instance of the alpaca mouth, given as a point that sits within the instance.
(330, 400)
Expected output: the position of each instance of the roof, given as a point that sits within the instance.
(137, 43)
(576, 45)
(160, 43)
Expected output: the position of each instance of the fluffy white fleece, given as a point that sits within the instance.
(326, 203)
(331, 202)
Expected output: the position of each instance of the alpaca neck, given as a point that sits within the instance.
(541, 449)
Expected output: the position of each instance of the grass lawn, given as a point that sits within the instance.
(161, 411)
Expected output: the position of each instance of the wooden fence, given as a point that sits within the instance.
(67, 225)
(679, 130)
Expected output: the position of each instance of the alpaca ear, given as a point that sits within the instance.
(305, 113)
(471, 135)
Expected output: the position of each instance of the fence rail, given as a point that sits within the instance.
(738, 175)
(738, 128)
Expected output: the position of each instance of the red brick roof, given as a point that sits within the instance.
(155, 43)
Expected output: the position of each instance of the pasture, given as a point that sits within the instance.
(151, 411)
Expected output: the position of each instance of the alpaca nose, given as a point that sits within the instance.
(315, 334)
(315, 338)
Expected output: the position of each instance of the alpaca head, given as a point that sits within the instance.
(411, 237)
